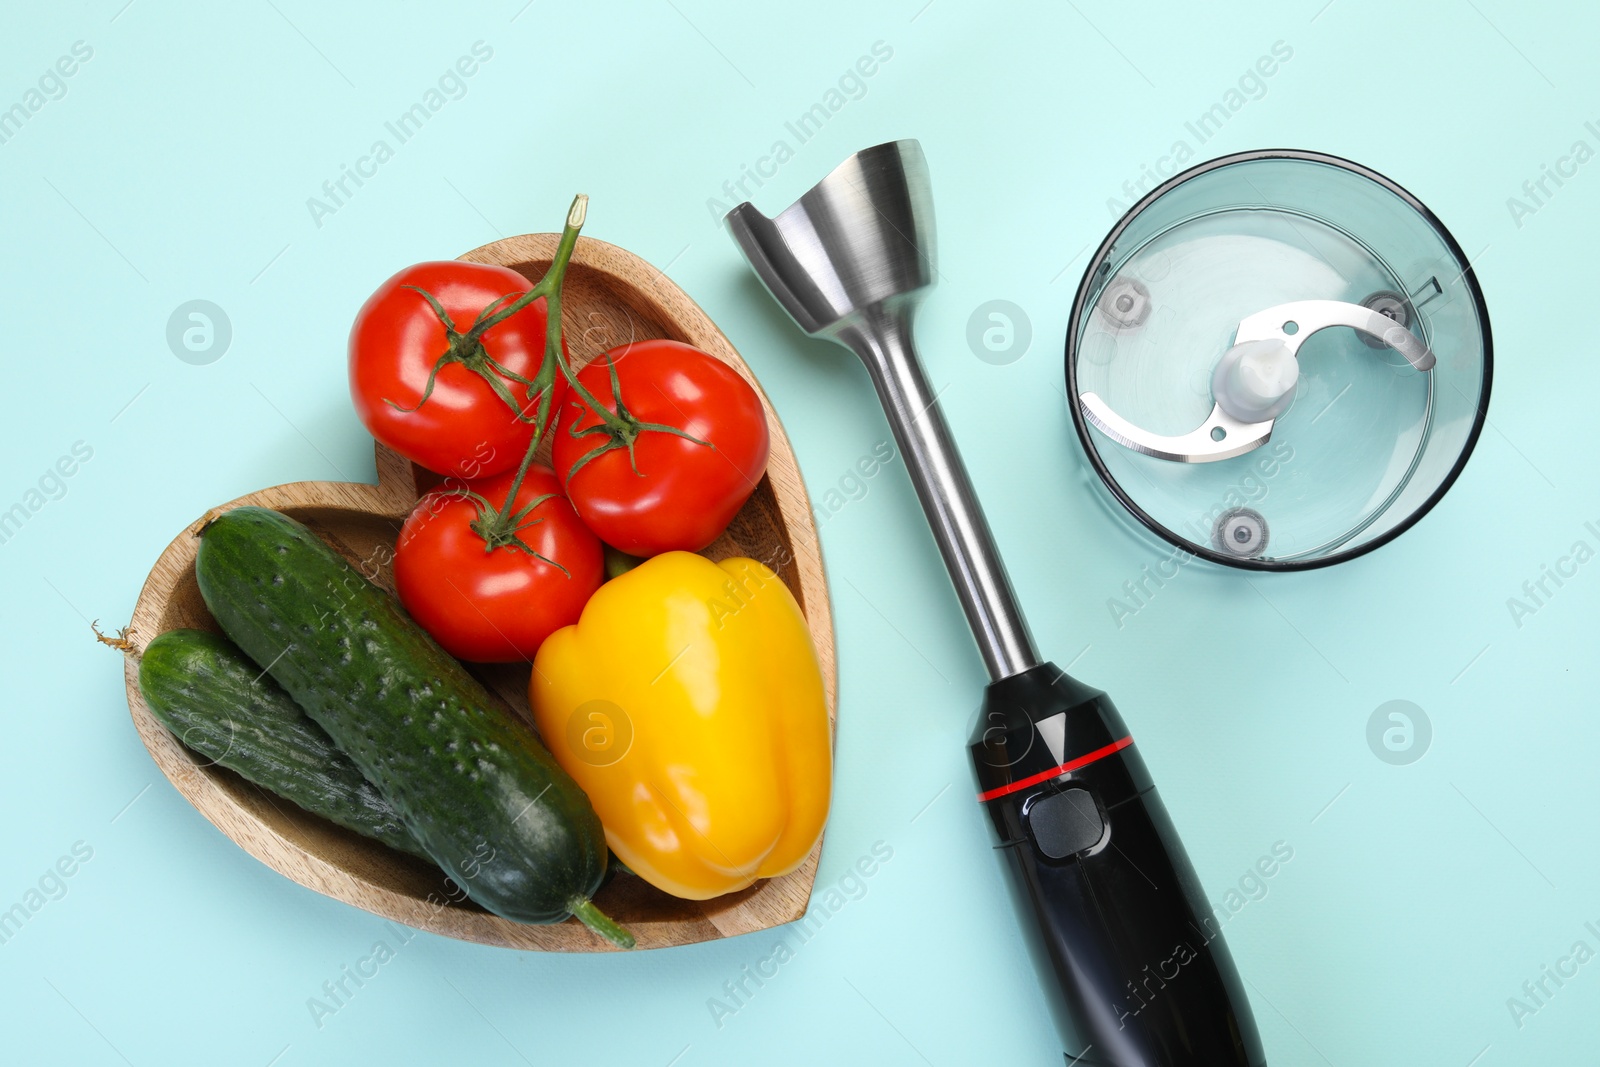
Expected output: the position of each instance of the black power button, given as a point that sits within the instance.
(1064, 823)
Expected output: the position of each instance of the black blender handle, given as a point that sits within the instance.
(1143, 975)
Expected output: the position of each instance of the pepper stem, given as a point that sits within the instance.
(600, 922)
(618, 563)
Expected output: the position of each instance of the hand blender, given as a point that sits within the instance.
(1140, 967)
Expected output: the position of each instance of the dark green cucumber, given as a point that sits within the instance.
(219, 703)
(470, 779)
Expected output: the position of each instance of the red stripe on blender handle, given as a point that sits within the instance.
(1056, 772)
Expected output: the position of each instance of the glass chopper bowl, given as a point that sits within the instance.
(1278, 360)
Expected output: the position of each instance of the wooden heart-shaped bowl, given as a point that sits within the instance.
(610, 296)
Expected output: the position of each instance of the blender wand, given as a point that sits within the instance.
(1140, 966)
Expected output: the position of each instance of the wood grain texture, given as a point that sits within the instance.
(610, 296)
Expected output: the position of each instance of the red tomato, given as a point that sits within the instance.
(496, 606)
(683, 493)
(464, 427)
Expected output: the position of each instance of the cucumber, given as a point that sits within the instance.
(219, 703)
(471, 780)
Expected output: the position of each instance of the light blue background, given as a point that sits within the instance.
(178, 166)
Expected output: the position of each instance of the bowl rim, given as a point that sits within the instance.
(1080, 299)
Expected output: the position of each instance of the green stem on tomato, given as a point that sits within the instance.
(499, 528)
(467, 348)
(550, 284)
(620, 428)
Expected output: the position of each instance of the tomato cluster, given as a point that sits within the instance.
(655, 446)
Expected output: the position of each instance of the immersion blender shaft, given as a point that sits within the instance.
(883, 341)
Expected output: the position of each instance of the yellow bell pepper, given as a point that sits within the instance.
(688, 703)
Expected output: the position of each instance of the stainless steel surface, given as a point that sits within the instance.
(1221, 436)
(849, 261)
(1309, 316)
(1200, 445)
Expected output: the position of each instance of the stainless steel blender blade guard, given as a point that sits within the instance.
(848, 261)
(860, 240)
